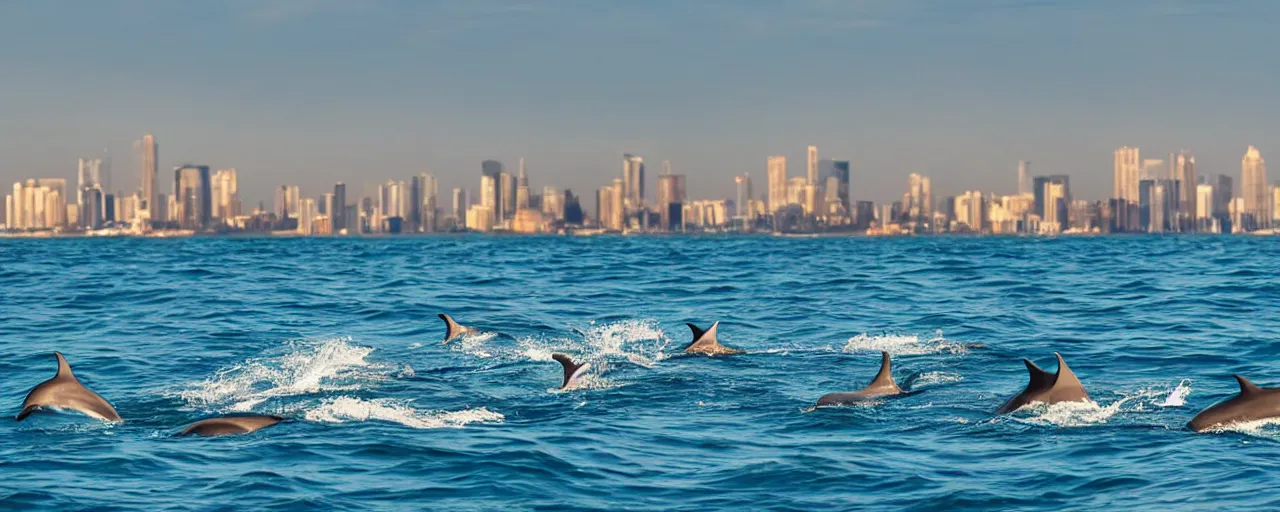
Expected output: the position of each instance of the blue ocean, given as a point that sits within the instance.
(340, 336)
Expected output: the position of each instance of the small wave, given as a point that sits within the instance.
(307, 368)
(1081, 414)
(474, 344)
(929, 379)
(1178, 397)
(346, 409)
(1256, 428)
(904, 344)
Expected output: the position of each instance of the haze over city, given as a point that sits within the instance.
(313, 92)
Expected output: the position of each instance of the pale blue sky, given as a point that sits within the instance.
(312, 91)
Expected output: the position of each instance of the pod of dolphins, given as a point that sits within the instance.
(65, 392)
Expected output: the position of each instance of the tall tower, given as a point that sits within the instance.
(632, 182)
(742, 206)
(776, 170)
(1182, 168)
(1126, 174)
(522, 188)
(148, 153)
(492, 169)
(1253, 189)
(812, 168)
(339, 217)
(193, 196)
(1024, 178)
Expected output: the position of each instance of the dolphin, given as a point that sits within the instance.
(705, 342)
(1253, 403)
(572, 371)
(882, 385)
(228, 425)
(1047, 387)
(65, 392)
(453, 329)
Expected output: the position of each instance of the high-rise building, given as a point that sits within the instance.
(1253, 189)
(1182, 168)
(776, 170)
(193, 196)
(38, 204)
(488, 198)
(1205, 207)
(839, 169)
(671, 190)
(226, 196)
(1055, 206)
(507, 195)
(307, 216)
(552, 204)
(743, 183)
(327, 206)
(522, 188)
(89, 176)
(919, 197)
(632, 182)
(1127, 173)
(459, 205)
(148, 153)
(1224, 191)
(422, 203)
(286, 201)
(1041, 204)
(338, 219)
(492, 169)
(1024, 178)
(811, 168)
(970, 210)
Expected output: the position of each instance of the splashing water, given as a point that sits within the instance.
(929, 379)
(345, 409)
(1177, 397)
(307, 368)
(903, 344)
(1081, 414)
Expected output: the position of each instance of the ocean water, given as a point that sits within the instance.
(341, 337)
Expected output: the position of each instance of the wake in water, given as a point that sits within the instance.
(904, 344)
(1082, 414)
(346, 409)
(305, 368)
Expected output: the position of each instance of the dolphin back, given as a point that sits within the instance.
(705, 342)
(64, 391)
(1251, 404)
(229, 425)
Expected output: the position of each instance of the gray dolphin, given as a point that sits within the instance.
(453, 329)
(227, 425)
(65, 392)
(882, 385)
(1253, 403)
(1047, 387)
(705, 342)
(572, 371)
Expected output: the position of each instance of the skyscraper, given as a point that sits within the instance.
(671, 191)
(492, 169)
(1126, 174)
(522, 188)
(741, 206)
(339, 218)
(812, 167)
(776, 170)
(488, 196)
(1224, 191)
(459, 205)
(1253, 189)
(89, 179)
(226, 197)
(1024, 178)
(1182, 168)
(148, 152)
(632, 182)
(839, 169)
(507, 195)
(919, 198)
(193, 196)
(422, 203)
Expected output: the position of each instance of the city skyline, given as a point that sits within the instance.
(285, 98)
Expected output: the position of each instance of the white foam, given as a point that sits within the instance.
(1178, 397)
(1256, 428)
(1080, 414)
(346, 409)
(473, 343)
(903, 344)
(307, 368)
(927, 379)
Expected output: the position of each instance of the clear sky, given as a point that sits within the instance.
(310, 92)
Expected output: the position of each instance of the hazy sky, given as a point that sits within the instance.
(310, 92)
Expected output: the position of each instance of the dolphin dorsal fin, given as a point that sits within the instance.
(697, 331)
(570, 368)
(1246, 387)
(64, 369)
(1039, 378)
(1066, 379)
(703, 338)
(451, 328)
(885, 377)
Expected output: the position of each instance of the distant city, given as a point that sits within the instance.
(1151, 195)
